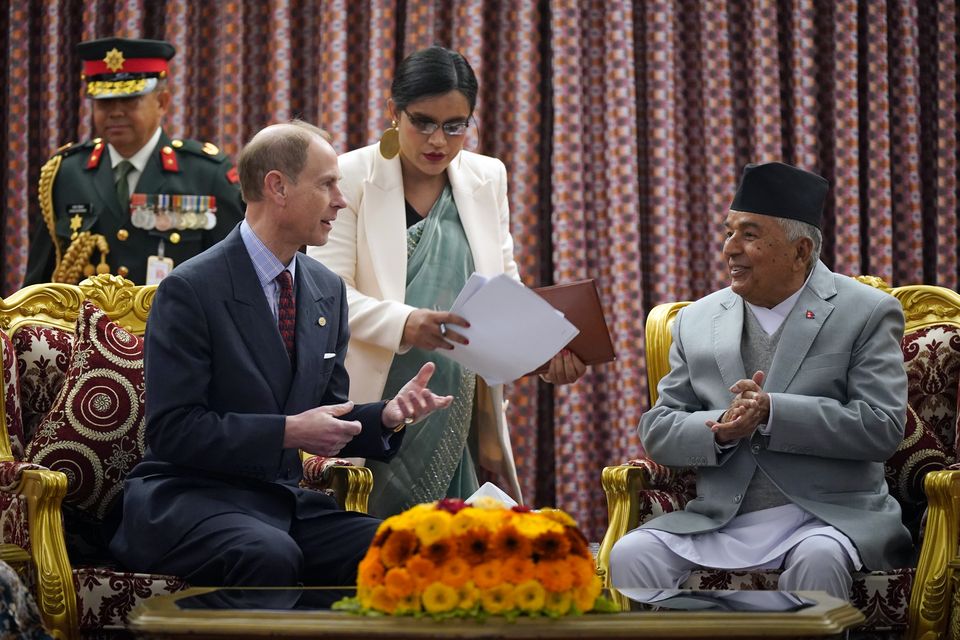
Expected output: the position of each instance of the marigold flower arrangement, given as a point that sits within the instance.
(451, 559)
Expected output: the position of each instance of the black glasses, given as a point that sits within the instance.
(426, 126)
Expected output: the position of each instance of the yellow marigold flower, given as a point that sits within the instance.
(463, 521)
(491, 519)
(473, 546)
(399, 583)
(529, 596)
(508, 543)
(487, 574)
(423, 571)
(432, 526)
(365, 596)
(383, 601)
(455, 572)
(517, 570)
(582, 570)
(557, 602)
(551, 545)
(497, 600)
(409, 604)
(370, 572)
(586, 596)
(469, 595)
(533, 525)
(558, 515)
(554, 575)
(398, 548)
(489, 503)
(439, 597)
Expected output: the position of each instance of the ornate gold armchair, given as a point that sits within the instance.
(71, 427)
(923, 475)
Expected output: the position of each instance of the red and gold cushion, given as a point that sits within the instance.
(931, 356)
(10, 390)
(94, 431)
(43, 354)
(920, 452)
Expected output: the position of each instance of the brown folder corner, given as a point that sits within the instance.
(580, 302)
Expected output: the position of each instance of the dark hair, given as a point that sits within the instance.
(433, 72)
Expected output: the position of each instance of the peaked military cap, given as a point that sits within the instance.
(123, 67)
(782, 191)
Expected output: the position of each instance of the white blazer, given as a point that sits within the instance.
(368, 249)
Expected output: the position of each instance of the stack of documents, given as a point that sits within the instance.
(512, 329)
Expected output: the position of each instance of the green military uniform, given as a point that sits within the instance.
(186, 198)
(84, 199)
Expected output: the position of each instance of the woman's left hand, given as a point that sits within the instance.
(565, 367)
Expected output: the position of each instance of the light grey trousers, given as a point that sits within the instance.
(640, 560)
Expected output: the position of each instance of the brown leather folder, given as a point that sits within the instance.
(580, 302)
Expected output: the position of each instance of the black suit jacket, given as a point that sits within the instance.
(218, 388)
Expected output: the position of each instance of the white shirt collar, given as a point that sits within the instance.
(140, 158)
(771, 319)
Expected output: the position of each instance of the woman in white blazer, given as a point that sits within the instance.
(422, 215)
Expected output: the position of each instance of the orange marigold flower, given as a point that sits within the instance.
(424, 572)
(529, 596)
(455, 572)
(439, 597)
(398, 548)
(370, 572)
(498, 599)
(433, 526)
(578, 543)
(557, 603)
(438, 552)
(551, 545)
(586, 596)
(399, 583)
(383, 601)
(581, 569)
(469, 596)
(474, 545)
(554, 575)
(487, 574)
(508, 543)
(382, 534)
(517, 570)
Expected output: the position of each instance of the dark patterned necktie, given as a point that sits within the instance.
(287, 314)
(123, 188)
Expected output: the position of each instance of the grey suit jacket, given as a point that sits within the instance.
(838, 390)
(218, 387)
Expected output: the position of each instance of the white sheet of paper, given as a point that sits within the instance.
(491, 490)
(512, 329)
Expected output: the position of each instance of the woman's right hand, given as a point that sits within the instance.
(431, 330)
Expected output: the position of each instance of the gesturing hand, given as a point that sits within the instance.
(749, 408)
(431, 329)
(320, 431)
(414, 401)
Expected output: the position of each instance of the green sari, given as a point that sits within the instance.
(434, 460)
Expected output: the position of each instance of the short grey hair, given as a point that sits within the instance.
(280, 148)
(796, 229)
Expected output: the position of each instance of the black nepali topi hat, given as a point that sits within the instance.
(782, 191)
(123, 67)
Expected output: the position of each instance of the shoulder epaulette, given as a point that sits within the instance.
(206, 150)
(71, 148)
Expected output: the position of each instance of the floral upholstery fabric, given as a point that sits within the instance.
(94, 430)
(11, 395)
(932, 359)
(106, 597)
(43, 354)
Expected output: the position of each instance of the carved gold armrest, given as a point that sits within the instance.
(934, 582)
(56, 596)
(622, 484)
(349, 484)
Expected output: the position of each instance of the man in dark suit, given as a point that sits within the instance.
(244, 351)
(133, 201)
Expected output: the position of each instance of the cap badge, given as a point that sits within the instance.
(114, 60)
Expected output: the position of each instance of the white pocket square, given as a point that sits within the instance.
(327, 356)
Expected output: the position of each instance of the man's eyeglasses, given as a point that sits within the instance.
(427, 126)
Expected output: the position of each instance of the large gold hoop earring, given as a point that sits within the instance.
(390, 142)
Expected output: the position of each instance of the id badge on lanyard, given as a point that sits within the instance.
(158, 267)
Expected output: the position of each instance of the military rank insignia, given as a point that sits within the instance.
(166, 211)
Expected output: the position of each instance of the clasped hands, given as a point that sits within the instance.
(320, 430)
(749, 408)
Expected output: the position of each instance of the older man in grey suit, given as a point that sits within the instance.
(789, 457)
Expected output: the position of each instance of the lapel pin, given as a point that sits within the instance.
(810, 315)
(322, 321)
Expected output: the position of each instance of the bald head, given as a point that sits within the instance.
(279, 147)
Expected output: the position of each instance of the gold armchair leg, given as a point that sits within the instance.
(621, 484)
(56, 595)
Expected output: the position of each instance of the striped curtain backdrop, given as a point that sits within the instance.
(624, 126)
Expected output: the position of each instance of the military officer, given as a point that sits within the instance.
(133, 201)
